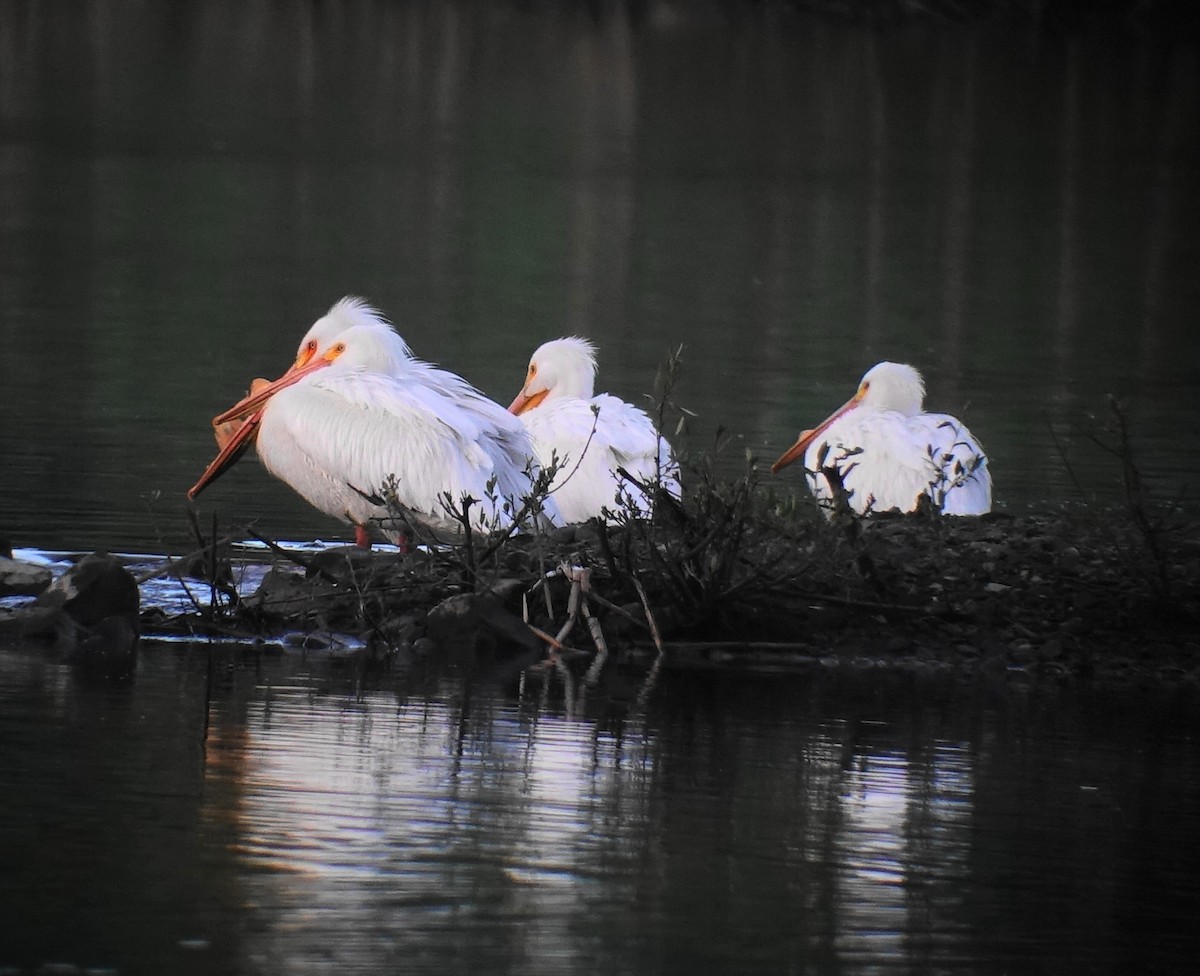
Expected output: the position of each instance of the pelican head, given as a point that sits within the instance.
(885, 386)
(559, 369)
(891, 386)
(347, 313)
(351, 334)
(367, 346)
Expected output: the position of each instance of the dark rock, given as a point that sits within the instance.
(354, 563)
(91, 613)
(19, 578)
(288, 594)
(460, 622)
(508, 591)
(1070, 559)
(94, 589)
(401, 629)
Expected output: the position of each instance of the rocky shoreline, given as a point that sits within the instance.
(1073, 592)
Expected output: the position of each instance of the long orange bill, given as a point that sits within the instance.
(796, 451)
(256, 398)
(524, 402)
(234, 448)
(251, 408)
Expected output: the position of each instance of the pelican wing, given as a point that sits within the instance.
(965, 481)
(888, 461)
(478, 419)
(635, 443)
(340, 440)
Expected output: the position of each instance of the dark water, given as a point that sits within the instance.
(326, 820)
(185, 187)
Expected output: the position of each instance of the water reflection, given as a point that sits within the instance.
(380, 824)
(740, 825)
(820, 823)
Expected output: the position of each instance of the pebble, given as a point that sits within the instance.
(1070, 558)
(1021, 652)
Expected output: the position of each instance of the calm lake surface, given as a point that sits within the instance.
(184, 188)
(272, 814)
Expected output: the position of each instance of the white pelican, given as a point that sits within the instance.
(591, 436)
(889, 453)
(356, 410)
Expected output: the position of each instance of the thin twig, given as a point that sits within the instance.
(172, 565)
(637, 583)
(598, 662)
(620, 611)
(1062, 456)
(301, 561)
(554, 642)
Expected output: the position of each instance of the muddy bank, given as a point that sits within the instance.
(1071, 592)
(1068, 591)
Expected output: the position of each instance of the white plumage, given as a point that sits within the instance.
(357, 412)
(590, 436)
(889, 453)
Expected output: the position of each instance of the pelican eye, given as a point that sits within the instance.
(334, 351)
(307, 351)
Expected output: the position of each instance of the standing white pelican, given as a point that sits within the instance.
(591, 436)
(889, 453)
(357, 412)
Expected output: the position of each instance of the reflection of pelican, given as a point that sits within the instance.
(327, 807)
(890, 454)
(591, 436)
(356, 412)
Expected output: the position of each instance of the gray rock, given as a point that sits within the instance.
(96, 587)
(19, 578)
(288, 593)
(91, 612)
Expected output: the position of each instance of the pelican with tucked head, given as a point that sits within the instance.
(889, 453)
(589, 435)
